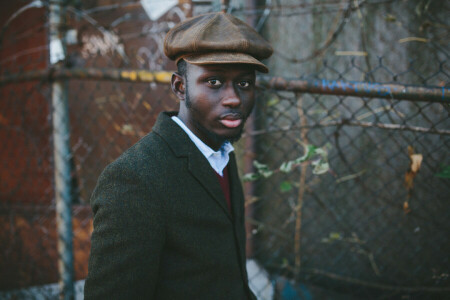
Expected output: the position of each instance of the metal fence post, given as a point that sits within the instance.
(62, 154)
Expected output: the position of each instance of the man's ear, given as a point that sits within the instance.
(178, 85)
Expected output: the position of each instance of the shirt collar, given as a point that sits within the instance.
(217, 159)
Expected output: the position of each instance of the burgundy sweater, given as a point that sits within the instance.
(225, 185)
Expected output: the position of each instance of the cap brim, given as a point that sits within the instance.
(224, 58)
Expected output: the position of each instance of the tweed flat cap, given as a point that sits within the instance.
(216, 38)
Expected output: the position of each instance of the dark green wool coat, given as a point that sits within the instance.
(162, 229)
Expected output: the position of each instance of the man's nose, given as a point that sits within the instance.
(231, 98)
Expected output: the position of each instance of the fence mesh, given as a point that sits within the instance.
(373, 225)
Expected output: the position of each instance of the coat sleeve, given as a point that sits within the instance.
(128, 237)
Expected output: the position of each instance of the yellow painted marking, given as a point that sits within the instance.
(163, 76)
(129, 74)
(146, 76)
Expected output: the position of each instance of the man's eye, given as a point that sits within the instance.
(244, 83)
(214, 82)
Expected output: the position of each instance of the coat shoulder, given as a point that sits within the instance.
(143, 158)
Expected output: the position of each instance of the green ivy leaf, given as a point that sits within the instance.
(250, 177)
(266, 173)
(273, 102)
(320, 151)
(309, 150)
(262, 169)
(444, 173)
(259, 166)
(286, 166)
(320, 167)
(285, 186)
(335, 236)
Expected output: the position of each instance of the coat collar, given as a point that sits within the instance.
(172, 134)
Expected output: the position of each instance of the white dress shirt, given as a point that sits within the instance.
(217, 159)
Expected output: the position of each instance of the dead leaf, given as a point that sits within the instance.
(416, 162)
(414, 167)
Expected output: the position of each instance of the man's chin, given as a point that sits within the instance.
(218, 138)
(235, 137)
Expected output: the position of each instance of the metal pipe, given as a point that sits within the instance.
(324, 87)
(62, 154)
(63, 189)
(357, 89)
(53, 74)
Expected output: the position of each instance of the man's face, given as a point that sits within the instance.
(217, 101)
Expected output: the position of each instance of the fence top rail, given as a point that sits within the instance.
(320, 86)
(358, 89)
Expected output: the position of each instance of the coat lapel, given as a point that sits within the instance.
(198, 165)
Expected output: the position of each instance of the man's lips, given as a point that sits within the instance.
(231, 120)
(231, 123)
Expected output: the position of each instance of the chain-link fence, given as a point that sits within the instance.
(360, 86)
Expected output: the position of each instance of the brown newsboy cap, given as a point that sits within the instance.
(217, 38)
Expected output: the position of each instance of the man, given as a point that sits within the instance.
(169, 212)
